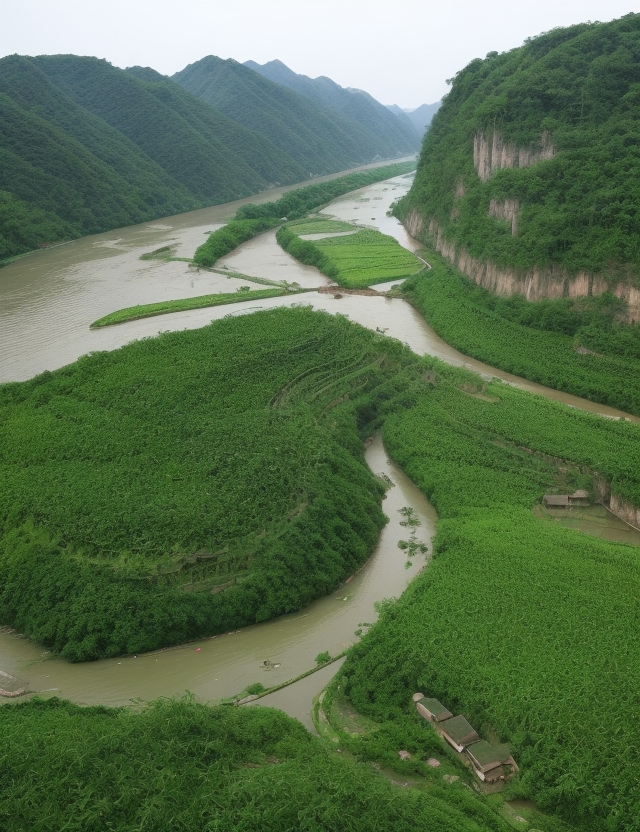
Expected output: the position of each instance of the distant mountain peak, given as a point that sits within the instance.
(390, 133)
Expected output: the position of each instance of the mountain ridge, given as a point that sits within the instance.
(358, 107)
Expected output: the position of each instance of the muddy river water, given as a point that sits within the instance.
(47, 302)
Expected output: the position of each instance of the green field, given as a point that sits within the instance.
(188, 767)
(320, 225)
(525, 627)
(538, 341)
(148, 310)
(355, 261)
(233, 456)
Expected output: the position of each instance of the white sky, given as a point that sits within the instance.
(401, 51)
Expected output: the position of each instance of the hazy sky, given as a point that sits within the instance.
(401, 51)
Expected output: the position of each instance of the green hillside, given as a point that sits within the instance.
(319, 140)
(86, 147)
(177, 134)
(258, 153)
(378, 129)
(571, 92)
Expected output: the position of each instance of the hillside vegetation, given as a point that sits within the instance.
(525, 627)
(193, 768)
(576, 90)
(233, 455)
(320, 139)
(378, 129)
(86, 147)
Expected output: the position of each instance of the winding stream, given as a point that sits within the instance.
(48, 300)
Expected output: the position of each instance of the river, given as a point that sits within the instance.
(47, 302)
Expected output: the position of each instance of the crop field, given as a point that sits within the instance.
(607, 370)
(525, 627)
(355, 261)
(183, 766)
(191, 483)
(148, 310)
(320, 225)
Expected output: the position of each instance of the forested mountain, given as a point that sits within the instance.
(530, 169)
(423, 115)
(379, 128)
(86, 146)
(321, 140)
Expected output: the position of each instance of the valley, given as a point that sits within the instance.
(304, 480)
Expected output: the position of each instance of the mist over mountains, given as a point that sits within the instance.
(86, 146)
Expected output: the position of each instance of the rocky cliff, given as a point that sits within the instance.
(527, 180)
(535, 283)
(494, 154)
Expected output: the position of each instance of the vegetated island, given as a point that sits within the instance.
(253, 219)
(355, 261)
(148, 310)
(234, 454)
(526, 185)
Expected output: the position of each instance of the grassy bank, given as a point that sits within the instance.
(185, 766)
(148, 310)
(576, 347)
(355, 261)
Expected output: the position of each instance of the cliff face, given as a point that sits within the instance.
(507, 210)
(492, 155)
(544, 138)
(535, 283)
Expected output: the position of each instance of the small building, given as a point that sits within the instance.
(579, 498)
(432, 710)
(556, 500)
(458, 732)
(490, 764)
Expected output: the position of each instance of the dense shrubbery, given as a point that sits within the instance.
(524, 626)
(179, 765)
(232, 456)
(529, 340)
(578, 210)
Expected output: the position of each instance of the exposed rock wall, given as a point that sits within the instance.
(617, 505)
(495, 154)
(507, 210)
(534, 284)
